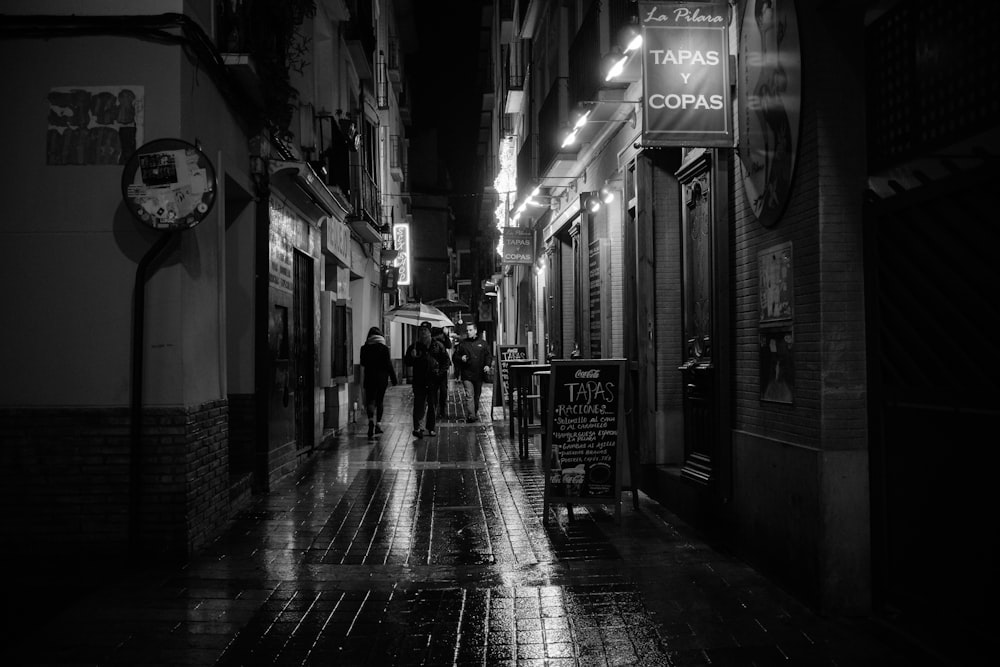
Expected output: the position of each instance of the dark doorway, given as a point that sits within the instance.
(933, 361)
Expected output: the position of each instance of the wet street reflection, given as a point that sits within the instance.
(433, 552)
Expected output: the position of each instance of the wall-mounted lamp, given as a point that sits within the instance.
(590, 201)
(615, 61)
(570, 137)
(593, 201)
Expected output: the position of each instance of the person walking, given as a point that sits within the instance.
(440, 335)
(377, 371)
(473, 359)
(427, 357)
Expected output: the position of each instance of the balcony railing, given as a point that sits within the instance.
(365, 195)
(513, 65)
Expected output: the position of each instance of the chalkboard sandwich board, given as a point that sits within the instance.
(509, 353)
(584, 433)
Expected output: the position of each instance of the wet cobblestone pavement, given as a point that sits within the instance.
(432, 551)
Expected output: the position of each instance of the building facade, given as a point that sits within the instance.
(775, 290)
(206, 185)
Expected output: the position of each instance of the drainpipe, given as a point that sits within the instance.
(167, 240)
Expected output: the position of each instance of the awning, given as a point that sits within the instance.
(299, 183)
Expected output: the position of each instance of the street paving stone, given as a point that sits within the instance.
(432, 551)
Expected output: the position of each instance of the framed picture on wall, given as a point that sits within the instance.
(775, 273)
(777, 366)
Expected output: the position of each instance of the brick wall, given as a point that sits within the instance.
(66, 471)
(800, 490)
(823, 222)
(242, 432)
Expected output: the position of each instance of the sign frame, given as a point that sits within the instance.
(687, 96)
(518, 245)
(601, 482)
(504, 357)
(401, 241)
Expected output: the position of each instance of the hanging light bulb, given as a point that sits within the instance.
(607, 195)
(617, 60)
(570, 138)
(634, 43)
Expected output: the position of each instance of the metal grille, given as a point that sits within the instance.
(932, 79)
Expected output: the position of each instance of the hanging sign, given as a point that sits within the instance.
(770, 100)
(685, 74)
(169, 184)
(401, 239)
(518, 245)
(584, 428)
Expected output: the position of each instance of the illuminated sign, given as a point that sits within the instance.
(401, 239)
(685, 74)
(518, 245)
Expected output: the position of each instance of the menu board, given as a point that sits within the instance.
(595, 299)
(584, 422)
(508, 353)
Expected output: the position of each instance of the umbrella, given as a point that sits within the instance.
(416, 313)
(449, 305)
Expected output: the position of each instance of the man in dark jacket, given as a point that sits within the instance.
(473, 359)
(377, 369)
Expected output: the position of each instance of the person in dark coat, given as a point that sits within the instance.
(440, 335)
(428, 358)
(377, 369)
(473, 359)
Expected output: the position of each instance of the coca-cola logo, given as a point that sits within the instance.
(592, 374)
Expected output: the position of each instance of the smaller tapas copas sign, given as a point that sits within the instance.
(518, 245)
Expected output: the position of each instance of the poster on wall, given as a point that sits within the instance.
(93, 125)
(774, 270)
(777, 366)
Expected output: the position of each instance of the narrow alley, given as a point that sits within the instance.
(432, 551)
